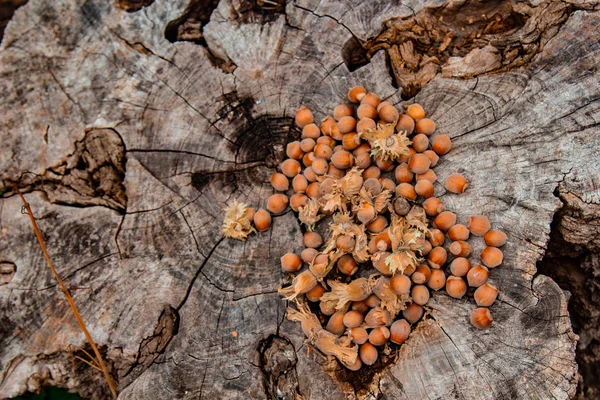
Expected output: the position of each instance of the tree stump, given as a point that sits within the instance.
(132, 124)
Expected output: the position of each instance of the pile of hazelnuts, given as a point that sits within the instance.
(444, 261)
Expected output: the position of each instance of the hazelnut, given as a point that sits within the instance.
(458, 232)
(379, 336)
(445, 220)
(342, 159)
(364, 124)
(401, 284)
(298, 200)
(350, 141)
(377, 225)
(312, 239)
(420, 294)
(456, 287)
(277, 203)
(311, 131)
(335, 324)
(437, 237)
(419, 163)
(415, 111)
(353, 319)
(485, 295)
(359, 335)
(406, 124)
(314, 190)
(356, 94)
(441, 144)
(424, 189)
(388, 114)
(280, 182)
(368, 353)
(460, 248)
(420, 142)
(399, 331)
(262, 220)
(371, 99)
(319, 166)
(429, 176)
(481, 318)
(307, 145)
(347, 265)
(404, 174)
(304, 117)
(293, 150)
(299, 183)
(425, 126)
(308, 255)
(291, 167)
(346, 125)
(315, 293)
(413, 312)
(491, 257)
(366, 111)
(433, 157)
(437, 280)
(460, 266)
(323, 151)
(290, 262)
(421, 274)
(341, 111)
(456, 183)
(477, 276)
(437, 257)
(495, 238)
(433, 206)
(406, 190)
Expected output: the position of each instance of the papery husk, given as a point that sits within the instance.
(385, 143)
(309, 214)
(377, 317)
(309, 321)
(343, 225)
(342, 190)
(390, 301)
(352, 182)
(320, 270)
(380, 202)
(378, 260)
(401, 261)
(417, 218)
(342, 294)
(332, 345)
(236, 224)
(303, 282)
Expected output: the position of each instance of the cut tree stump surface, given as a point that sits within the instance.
(130, 145)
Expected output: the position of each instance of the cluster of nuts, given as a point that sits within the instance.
(368, 170)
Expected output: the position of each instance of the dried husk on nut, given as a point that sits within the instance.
(342, 190)
(378, 317)
(303, 282)
(343, 225)
(236, 224)
(406, 241)
(321, 269)
(386, 144)
(390, 301)
(341, 293)
(340, 348)
(309, 214)
(309, 321)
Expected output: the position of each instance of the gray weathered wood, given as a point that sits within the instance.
(181, 312)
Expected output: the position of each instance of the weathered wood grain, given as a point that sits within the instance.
(181, 312)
